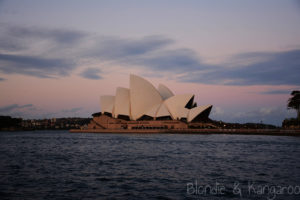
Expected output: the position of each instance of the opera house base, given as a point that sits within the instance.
(106, 124)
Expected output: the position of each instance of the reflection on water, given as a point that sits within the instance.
(62, 165)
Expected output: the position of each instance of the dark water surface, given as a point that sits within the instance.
(62, 165)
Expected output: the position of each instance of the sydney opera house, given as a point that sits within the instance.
(142, 106)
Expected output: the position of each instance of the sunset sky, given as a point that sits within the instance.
(57, 57)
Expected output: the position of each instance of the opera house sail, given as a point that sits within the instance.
(142, 106)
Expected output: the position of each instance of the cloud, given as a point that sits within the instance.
(2, 79)
(217, 111)
(35, 66)
(57, 35)
(179, 60)
(53, 53)
(1, 1)
(268, 115)
(297, 3)
(115, 48)
(153, 53)
(280, 68)
(39, 52)
(9, 108)
(91, 73)
(287, 91)
(15, 37)
(10, 45)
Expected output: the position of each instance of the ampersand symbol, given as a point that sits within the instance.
(236, 189)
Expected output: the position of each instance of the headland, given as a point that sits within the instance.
(101, 123)
(142, 108)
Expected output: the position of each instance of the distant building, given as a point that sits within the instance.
(142, 106)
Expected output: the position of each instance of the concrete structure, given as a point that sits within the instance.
(142, 106)
(143, 96)
(164, 91)
(122, 103)
(107, 104)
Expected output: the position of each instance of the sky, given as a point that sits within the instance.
(57, 57)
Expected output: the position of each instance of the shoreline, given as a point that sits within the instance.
(276, 132)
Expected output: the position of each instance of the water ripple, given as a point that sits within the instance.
(61, 165)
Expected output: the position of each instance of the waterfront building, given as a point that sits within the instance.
(142, 106)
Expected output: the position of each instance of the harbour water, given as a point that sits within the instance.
(63, 165)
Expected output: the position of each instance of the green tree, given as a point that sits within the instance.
(294, 102)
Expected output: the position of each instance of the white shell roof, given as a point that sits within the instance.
(152, 112)
(182, 112)
(122, 103)
(164, 91)
(143, 99)
(107, 103)
(143, 96)
(163, 111)
(194, 112)
(176, 102)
